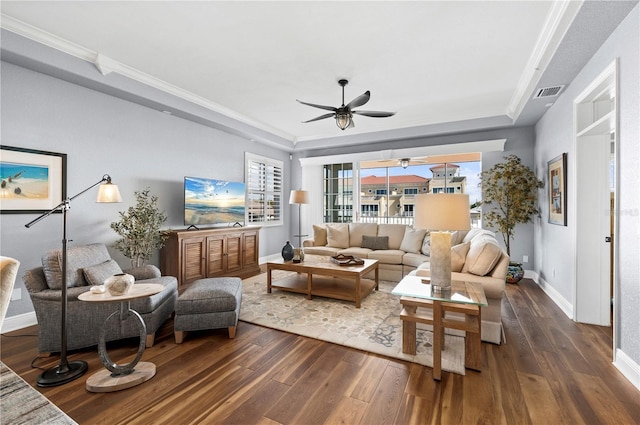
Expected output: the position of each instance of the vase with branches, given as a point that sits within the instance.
(511, 189)
(139, 228)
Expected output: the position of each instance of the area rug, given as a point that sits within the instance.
(20, 403)
(375, 327)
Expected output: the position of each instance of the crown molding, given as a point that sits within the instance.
(106, 65)
(558, 21)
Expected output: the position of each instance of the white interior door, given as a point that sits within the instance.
(593, 263)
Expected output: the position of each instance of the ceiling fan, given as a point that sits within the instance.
(344, 114)
(404, 162)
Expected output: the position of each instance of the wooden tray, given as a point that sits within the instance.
(347, 260)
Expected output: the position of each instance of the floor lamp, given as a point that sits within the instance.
(440, 213)
(299, 197)
(68, 371)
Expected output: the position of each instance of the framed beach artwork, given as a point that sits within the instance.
(557, 178)
(32, 181)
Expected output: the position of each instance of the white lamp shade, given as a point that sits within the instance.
(442, 211)
(299, 197)
(108, 193)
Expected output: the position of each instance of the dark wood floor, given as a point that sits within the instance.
(551, 371)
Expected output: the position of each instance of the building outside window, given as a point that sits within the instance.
(338, 193)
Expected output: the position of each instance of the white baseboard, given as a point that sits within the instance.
(626, 366)
(19, 321)
(555, 296)
(272, 257)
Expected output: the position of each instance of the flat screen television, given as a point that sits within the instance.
(213, 202)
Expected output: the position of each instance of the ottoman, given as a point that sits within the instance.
(211, 303)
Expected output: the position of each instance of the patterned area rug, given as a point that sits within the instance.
(22, 404)
(375, 327)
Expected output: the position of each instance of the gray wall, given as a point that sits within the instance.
(102, 134)
(554, 135)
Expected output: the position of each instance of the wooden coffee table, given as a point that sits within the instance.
(325, 278)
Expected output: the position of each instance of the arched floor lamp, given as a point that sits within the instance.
(68, 371)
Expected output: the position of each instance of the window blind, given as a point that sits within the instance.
(264, 190)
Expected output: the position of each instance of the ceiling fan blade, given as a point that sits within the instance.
(321, 117)
(376, 114)
(360, 100)
(328, 108)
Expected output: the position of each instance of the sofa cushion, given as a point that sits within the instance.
(414, 260)
(395, 233)
(426, 245)
(458, 256)
(319, 235)
(412, 240)
(338, 235)
(472, 233)
(356, 251)
(387, 256)
(321, 250)
(375, 242)
(78, 257)
(483, 255)
(358, 230)
(96, 275)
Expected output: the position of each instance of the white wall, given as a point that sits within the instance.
(554, 135)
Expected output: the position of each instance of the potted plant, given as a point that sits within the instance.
(511, 189)
(139, 228)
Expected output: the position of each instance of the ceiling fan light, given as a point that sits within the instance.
(343, 121)
(404, 162)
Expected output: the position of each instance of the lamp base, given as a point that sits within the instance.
(54, 376)
(441, 260)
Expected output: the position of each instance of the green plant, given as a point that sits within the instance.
(139, 228)
(511, 188)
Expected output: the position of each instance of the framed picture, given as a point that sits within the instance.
(557, 178)
(32, 181)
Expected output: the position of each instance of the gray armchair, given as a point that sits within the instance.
(88, 265)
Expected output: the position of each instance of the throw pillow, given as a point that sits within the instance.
(319, 235)
(412, 240)
(375, 242)
(338, 235)
(458, 256)
(484, 254)
(97, 274)
(426, 245)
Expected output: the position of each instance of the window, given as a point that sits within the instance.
(338, 193)
(264, 190)
(369, 210)
(411, 191)
(381, 192)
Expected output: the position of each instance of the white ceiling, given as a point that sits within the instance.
(432, 62)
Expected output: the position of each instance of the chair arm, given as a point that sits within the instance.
(148, 271)
(34, 280)
(308, 242)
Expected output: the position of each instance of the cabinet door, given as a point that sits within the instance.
(250, 250)
(193, 266)
(234, 252)
(216, 261)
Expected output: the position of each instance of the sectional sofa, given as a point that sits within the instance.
(401, 250)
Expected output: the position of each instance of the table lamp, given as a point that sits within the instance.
(440, 213)
(299, 197)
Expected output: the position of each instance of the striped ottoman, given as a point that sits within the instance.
(211, 303)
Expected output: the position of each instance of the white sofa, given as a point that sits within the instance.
(400, 250)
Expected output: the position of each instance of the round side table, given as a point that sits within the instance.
(119, 377)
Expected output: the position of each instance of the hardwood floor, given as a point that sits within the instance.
(550, 371)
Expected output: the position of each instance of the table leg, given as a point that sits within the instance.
(409, 332)
(309, 284)
(473, 343)
(357, 291)
(438, 340)
(377, 277)
(268, 279)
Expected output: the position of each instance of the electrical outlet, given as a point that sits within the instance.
(525, 258)
(16, 294)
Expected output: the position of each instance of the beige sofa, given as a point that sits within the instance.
(401, 250)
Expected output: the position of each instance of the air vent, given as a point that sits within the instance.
(548, 92)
